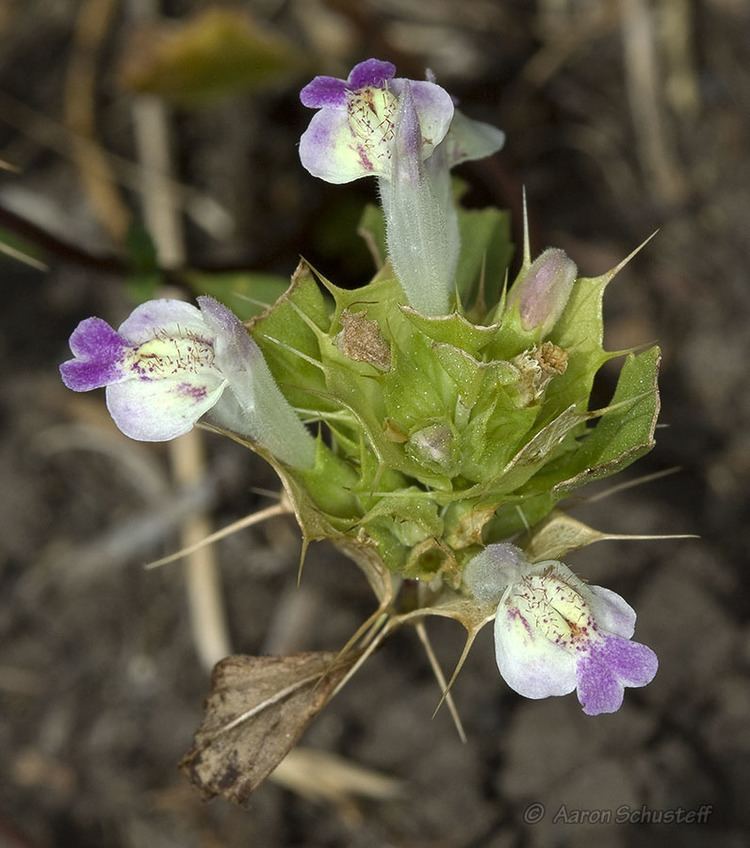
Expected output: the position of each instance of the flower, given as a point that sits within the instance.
(408, 134)
(352, 133)
(543, 290)
(169, 364)
(554, 634)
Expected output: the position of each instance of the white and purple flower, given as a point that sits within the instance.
(351, 136)
(408, 134)
(554, 634)
(169, 364)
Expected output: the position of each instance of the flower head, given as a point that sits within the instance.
(351, 135)
(169, 364)
(554, 634)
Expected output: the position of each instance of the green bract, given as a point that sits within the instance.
(440, 435)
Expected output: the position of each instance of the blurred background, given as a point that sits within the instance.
(152, 143)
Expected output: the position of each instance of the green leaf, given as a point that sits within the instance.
(372, 229)
(624, 433)
(289, 336)
(486, 249)
(246, 293)
(580, 333)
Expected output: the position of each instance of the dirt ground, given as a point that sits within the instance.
(621, 117)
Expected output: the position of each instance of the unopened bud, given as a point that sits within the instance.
(543, 291)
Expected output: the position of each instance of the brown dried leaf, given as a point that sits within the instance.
(556, 536)
(214, 53)
(257, 710)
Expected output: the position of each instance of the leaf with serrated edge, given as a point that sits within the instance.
(257, 710)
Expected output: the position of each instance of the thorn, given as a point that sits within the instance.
(234, 527)
(616, 270)
(630, 484)
(440, 677)
(526, 240)
(302, 555)
(472, 635)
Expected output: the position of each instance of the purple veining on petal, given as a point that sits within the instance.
(192, 391)
(610, 665)
(324, 91)
(364, 159)
(372, 73)
(408, 133)
(99, 351)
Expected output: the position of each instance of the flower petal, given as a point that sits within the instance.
(530, 664)
(372, 73)
(635, 664)
(324, 91)
(100, 353)
(611, 613)
(162, 318)
(159, 410)
(599, 691)
(611, 665)
(467, 140)
(236, 352)
(331, 151)
(434, 108)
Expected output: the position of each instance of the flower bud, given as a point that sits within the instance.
(543, 291)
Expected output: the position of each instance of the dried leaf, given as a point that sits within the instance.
(257, 710)
(559, 534)
(216, 52)
(556, 536)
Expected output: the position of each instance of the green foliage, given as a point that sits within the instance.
(246, 293)
(452, 432)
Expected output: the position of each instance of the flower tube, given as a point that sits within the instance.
(170, 363)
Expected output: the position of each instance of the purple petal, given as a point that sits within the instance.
(100, 353)
(159, 318)
(159, 410)
(610, 665)
(635, 664)
(324, 91)
(599, 691)
(434, 107)
(372, 73)
(611, 612)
